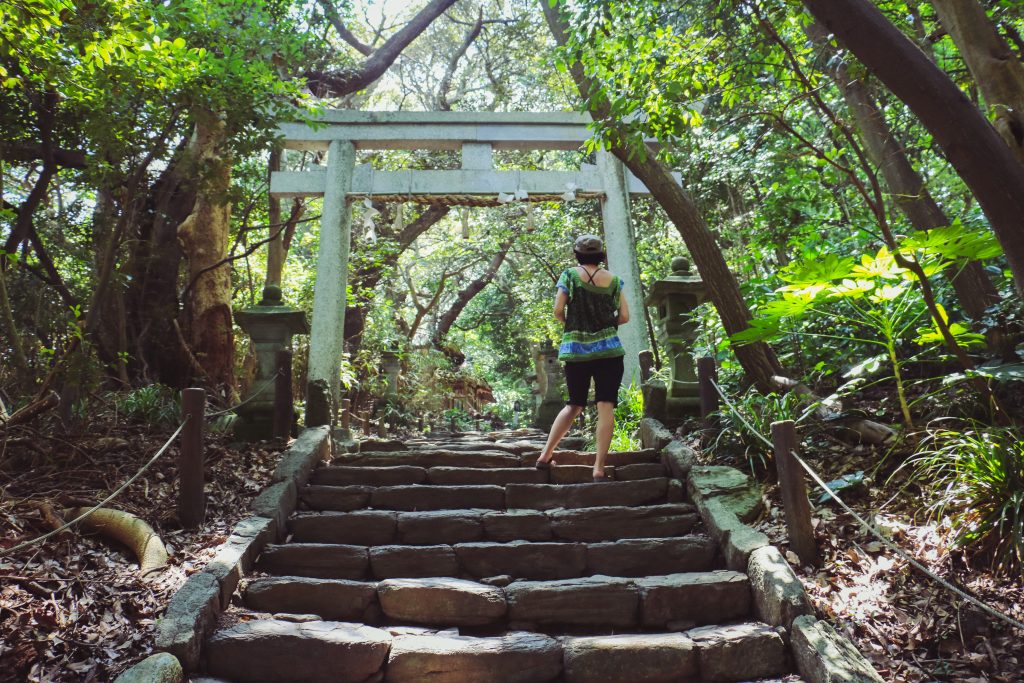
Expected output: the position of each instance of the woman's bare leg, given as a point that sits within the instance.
(559, 428)
(605, 428)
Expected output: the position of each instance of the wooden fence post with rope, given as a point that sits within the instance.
(795, 503)
(191, 478)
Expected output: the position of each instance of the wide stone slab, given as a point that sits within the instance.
(640, 470)
(824, 656)
(333, 599)
(441, 601)
(340, 498)
(269, 651)
(779, 596)
(648, 556)
(615, 458)
(516, 525)
(360, 527)
(444, 658)
(590, 601)
(576, 474)
(341, 475)
(646, 658)
(495, 476)
(432, 458)
(733, 489)
(433, 527)
(437, 497)
(522, 559)
(739, 652)
(318, 560)
(696, 598)
(401, 561)
(551, 496)
(612, 523)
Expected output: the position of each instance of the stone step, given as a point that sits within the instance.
(431, 527)
(517, 559)
(615, 458)
(512, 496)
(264, 650)
(431, 458)
(402, 475)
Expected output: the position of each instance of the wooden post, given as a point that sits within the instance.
(284, 408)
(707, 374)
(346, 414)
(794, 493)
(191, 499)
(366, 423)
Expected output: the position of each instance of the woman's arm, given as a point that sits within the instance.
(623, 311)
(561, 299)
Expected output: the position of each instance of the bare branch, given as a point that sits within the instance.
(331, 12)
(443, 103)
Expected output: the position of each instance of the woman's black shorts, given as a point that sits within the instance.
(607, 374)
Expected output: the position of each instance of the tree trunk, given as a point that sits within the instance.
(275, 248)
(996, 70)
(467, 294)
(971, 144)
(204, 239)
(758, 359)
(973, 287)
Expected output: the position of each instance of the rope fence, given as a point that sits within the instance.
(871, 529)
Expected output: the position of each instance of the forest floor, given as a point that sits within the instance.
(907, 625)
(75, 608)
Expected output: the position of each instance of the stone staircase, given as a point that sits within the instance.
(458, 562)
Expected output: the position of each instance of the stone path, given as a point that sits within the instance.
(458, 562)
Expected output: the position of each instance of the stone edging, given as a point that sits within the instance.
(193, 610)
(727, 500)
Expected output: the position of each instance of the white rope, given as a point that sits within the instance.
(891, 545)
(76, 520)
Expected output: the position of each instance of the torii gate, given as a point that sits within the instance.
(476, 134)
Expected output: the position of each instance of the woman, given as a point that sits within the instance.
(590, 304)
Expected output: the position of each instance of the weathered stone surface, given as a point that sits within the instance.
(360, 527)
(333, 599)
(516, 525)
(646, 658)
(190, 615)
(779, 597)
(551, 496)
(441, 601)
(267, 651)
(317, 560)
(342, 475)
(589, 601)
(522, 559)
(312, 447)
(449, 658)
(236, 556)
(734, 490)
(472, 446)
(698, 597)
(640, 470)
(276, 502)
(824, 656)
(381, 445)
(432, 458)
(649, 556)
(678, 458)
(614, 459)
(736, 539)
(653, 434)
(433, 527)
(438, 497)
(613, 523)
(676, 492)
(576, 474)
(738, 652)
(340, 498)
(493, 476)
(159, 668)
(400, 561)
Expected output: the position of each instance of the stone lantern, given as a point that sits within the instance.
(391, 368)
(550, 380)
(674, 299)
(271, 326)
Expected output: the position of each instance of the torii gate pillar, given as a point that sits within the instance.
(621, 245)
(327, 337)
